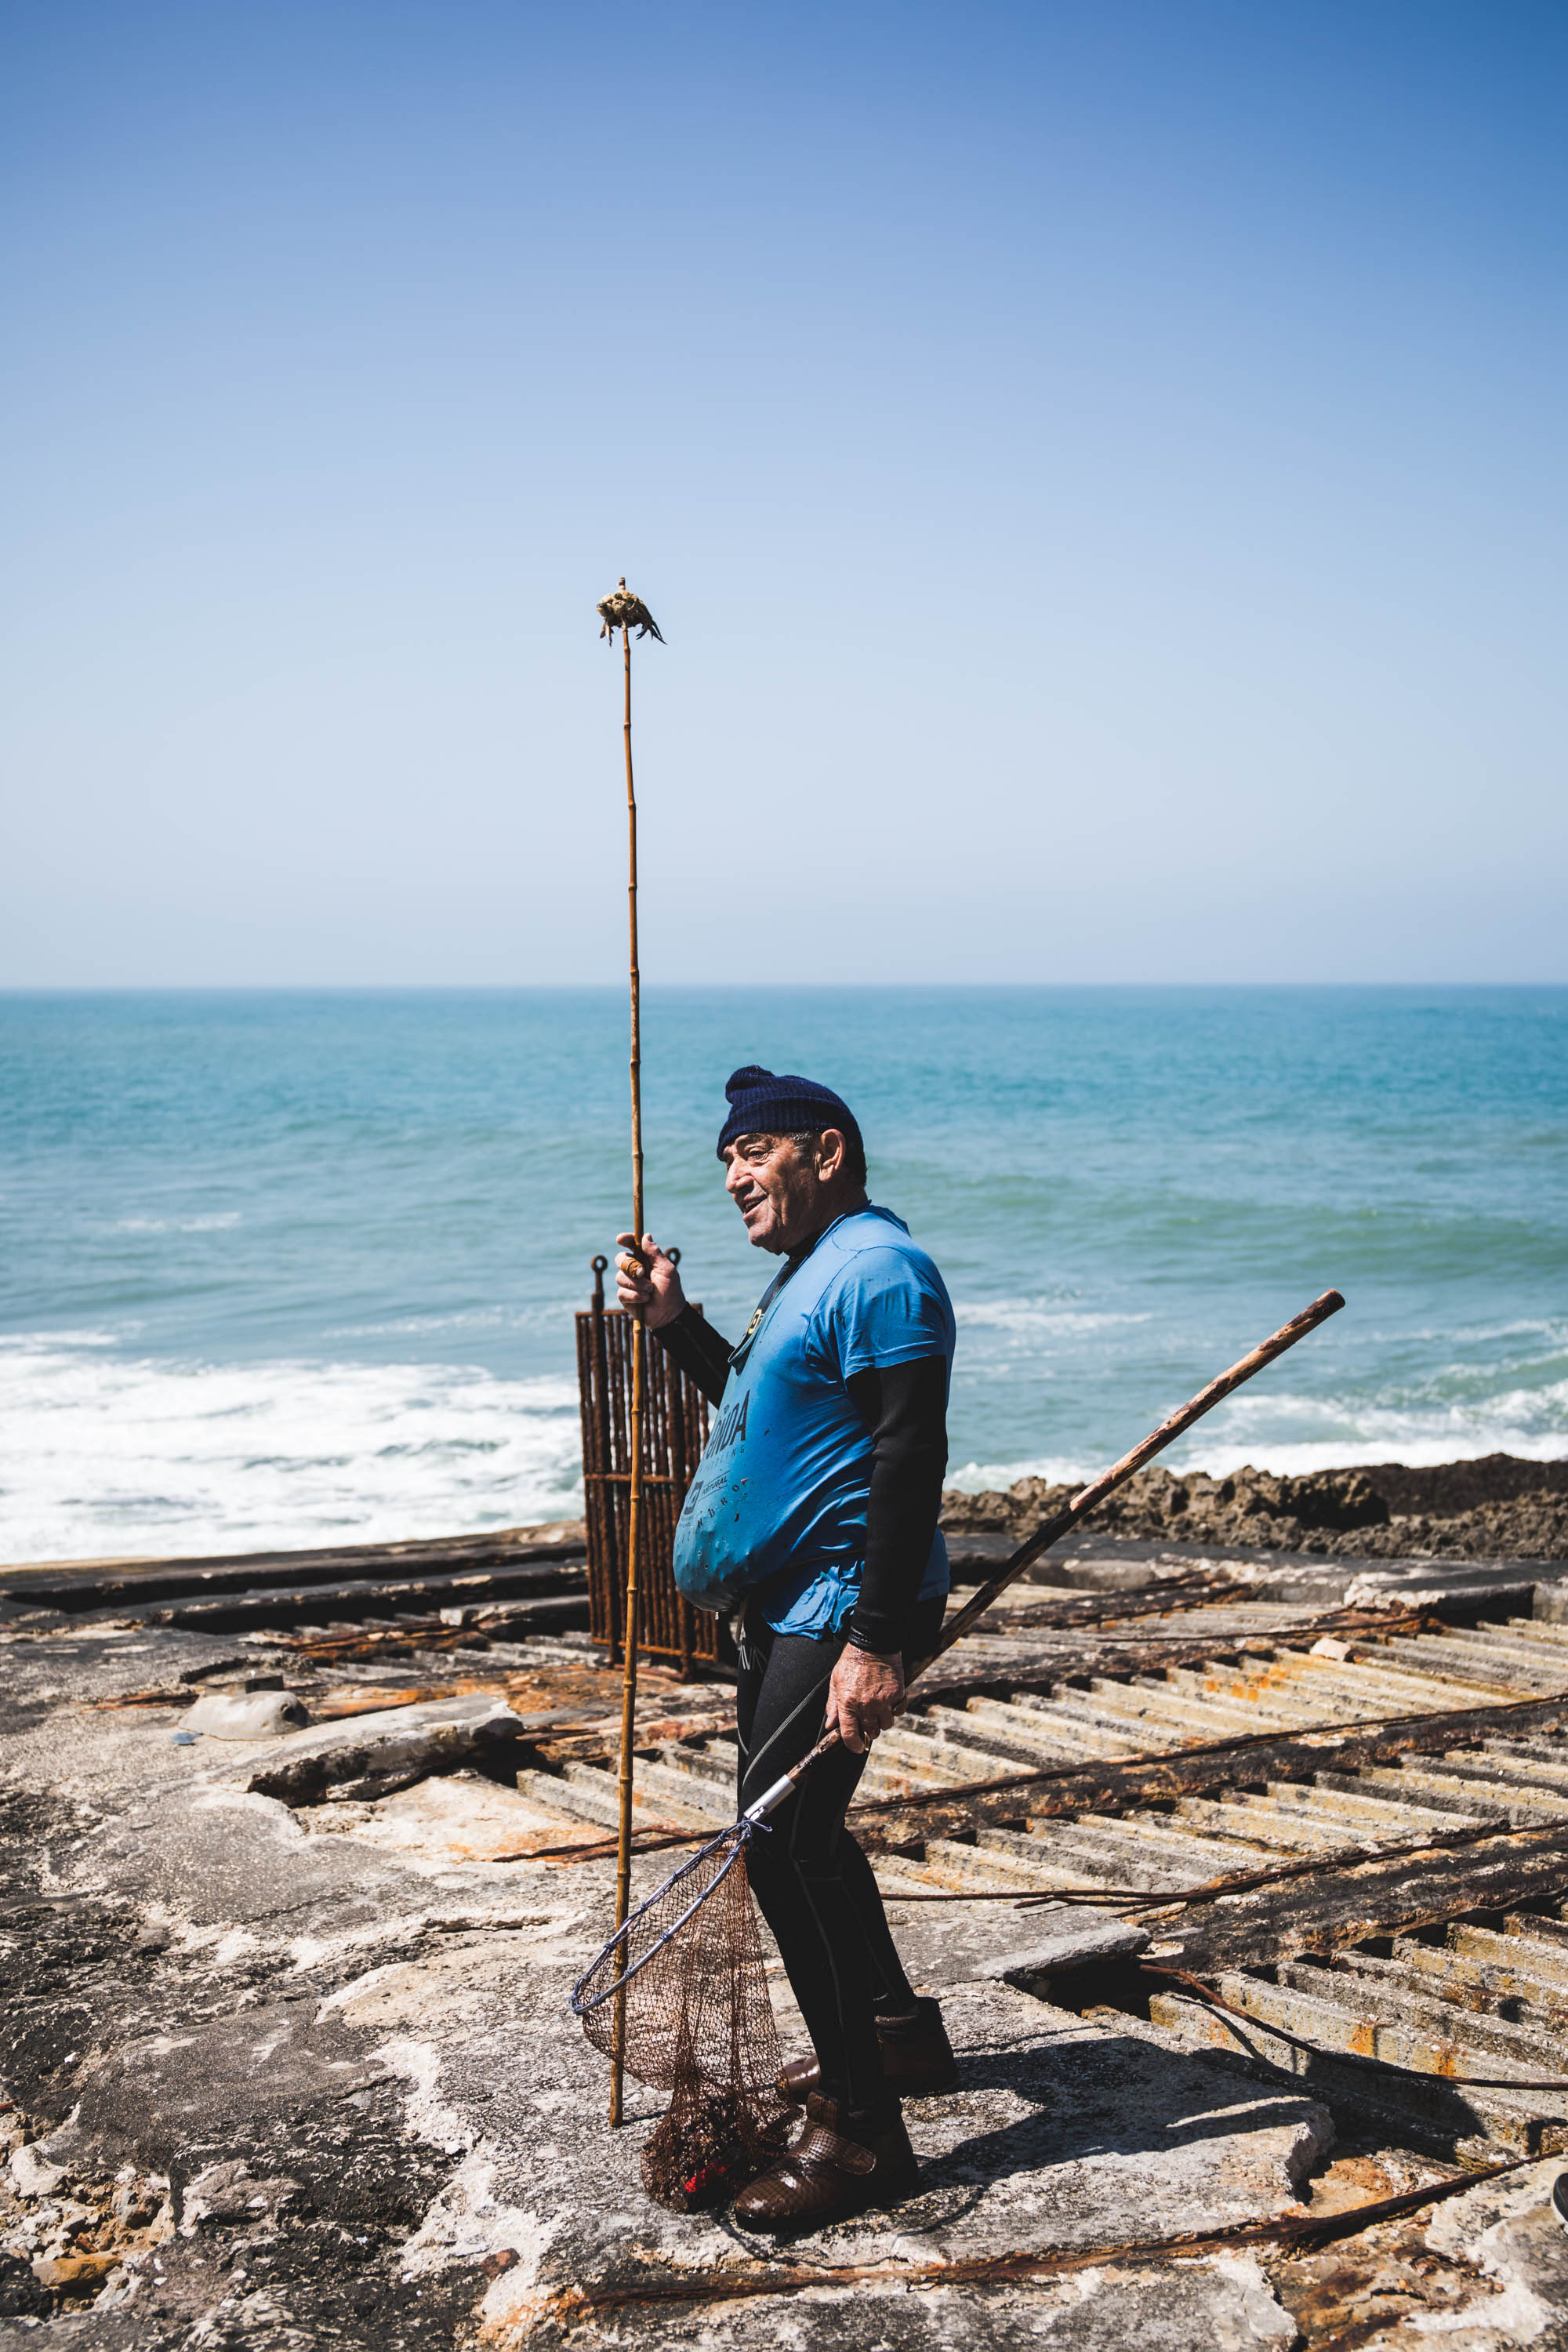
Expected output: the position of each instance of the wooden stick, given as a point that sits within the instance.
(1085, 1500)
(639, 1343)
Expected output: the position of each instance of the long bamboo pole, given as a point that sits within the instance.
(634, 1504)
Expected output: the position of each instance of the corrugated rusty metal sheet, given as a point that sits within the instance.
(1371, 1784)
(1351, 1824)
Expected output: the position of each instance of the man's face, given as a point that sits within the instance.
(782, 1188)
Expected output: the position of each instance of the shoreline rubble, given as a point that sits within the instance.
(1498, 1506)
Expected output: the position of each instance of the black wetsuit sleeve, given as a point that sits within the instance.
(702, 1354)
(906, 1408)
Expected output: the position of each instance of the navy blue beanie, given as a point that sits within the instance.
(762, 1103)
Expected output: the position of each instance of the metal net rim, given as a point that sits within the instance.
(741, 1832)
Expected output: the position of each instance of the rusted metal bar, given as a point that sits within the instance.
(683, 1461)
(595, 1399)
(1206, 1993)
(1062, 1614)
(649, 1479)
(1122, 1898)
(1299, 2231)
(1116, 1899)
(1144, 1654)
(1385, 1898)
(1123, 1783)
(675, 1430)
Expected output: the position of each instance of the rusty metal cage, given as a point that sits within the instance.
(675, 1430)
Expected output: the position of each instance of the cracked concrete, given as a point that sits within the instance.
(1224, 2302)
(1508, 2230)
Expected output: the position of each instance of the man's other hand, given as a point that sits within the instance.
(864, 1693)
(655, 1286)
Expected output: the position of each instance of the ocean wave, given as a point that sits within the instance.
(1551, 1327)
(128, 1456)
(1037, 1315)
(77, 1338)
(467, 1318)
(1292, 1434)
(994, 1477)
(219, 1222)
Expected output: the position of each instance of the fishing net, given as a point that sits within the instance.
(680, 1996)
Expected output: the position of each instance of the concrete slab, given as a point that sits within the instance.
(1508, 2230)
(1224, 2304)
(443, 1823)
(1063, 1939)
(325, 2056)
(1063, 2136)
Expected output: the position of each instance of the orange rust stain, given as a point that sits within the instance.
(370, 1699)
(145, 1698)
(460, 1848)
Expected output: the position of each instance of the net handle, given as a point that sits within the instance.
(1087, 1499)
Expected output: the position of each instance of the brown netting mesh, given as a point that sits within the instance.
(689, 2012)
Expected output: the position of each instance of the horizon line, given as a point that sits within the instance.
(729, 988)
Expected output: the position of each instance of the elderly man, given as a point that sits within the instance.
(814, 1512)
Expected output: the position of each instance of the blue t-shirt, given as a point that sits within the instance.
(779, 1500)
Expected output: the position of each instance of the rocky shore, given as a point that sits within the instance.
(1498, 1506)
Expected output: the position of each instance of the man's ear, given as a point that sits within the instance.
(829, 1153)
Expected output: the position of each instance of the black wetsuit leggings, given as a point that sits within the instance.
(814, 1884)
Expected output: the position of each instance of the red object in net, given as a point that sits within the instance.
(681, 1997)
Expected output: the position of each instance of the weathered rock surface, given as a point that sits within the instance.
(1496, 1508)
(1223, 2304)
(300, 2073)
(1064, 1940)
(1508, 2229)
(285, 2024)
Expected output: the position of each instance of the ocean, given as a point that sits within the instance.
(289, 1269)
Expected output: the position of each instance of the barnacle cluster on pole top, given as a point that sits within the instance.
(621, 610)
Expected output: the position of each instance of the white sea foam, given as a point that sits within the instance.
(991, 1478)
(110, 1455)
(1293, 1434)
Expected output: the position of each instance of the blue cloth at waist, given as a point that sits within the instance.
(820, 1599)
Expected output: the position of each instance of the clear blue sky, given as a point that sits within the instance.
(1100, 468)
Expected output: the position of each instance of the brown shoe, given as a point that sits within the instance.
(917, 2059)
(836, 2167)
